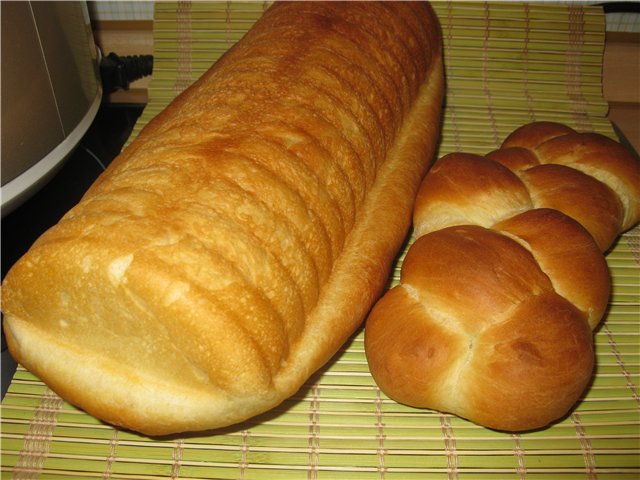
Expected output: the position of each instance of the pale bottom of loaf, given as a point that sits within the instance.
(104, 382)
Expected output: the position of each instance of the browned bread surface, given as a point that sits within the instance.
(499, 293)
(238, 242)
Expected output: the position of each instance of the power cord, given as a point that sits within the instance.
(118, 72)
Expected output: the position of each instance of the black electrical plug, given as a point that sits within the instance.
(118, 72)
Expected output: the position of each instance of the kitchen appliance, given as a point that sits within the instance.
(51, 91)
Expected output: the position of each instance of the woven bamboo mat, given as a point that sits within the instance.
(507, 64)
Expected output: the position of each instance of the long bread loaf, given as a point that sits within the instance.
(237, 243)
(499, 293)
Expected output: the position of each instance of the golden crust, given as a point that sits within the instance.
(464, 188)
(578, 195)
(531, 368)
(591, 153)
(235, 245)
(567, 254)
(506, 279)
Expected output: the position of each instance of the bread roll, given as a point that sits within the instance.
(238, 242)
(500, 291)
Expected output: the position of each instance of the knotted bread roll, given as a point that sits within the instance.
(499, 293)
(239, 241)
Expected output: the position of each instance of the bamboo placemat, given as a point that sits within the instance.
(507, 64)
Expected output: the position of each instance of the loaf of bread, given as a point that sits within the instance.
(499, 293)
(238, 242)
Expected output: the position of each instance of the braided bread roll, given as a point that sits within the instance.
(498, 296)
